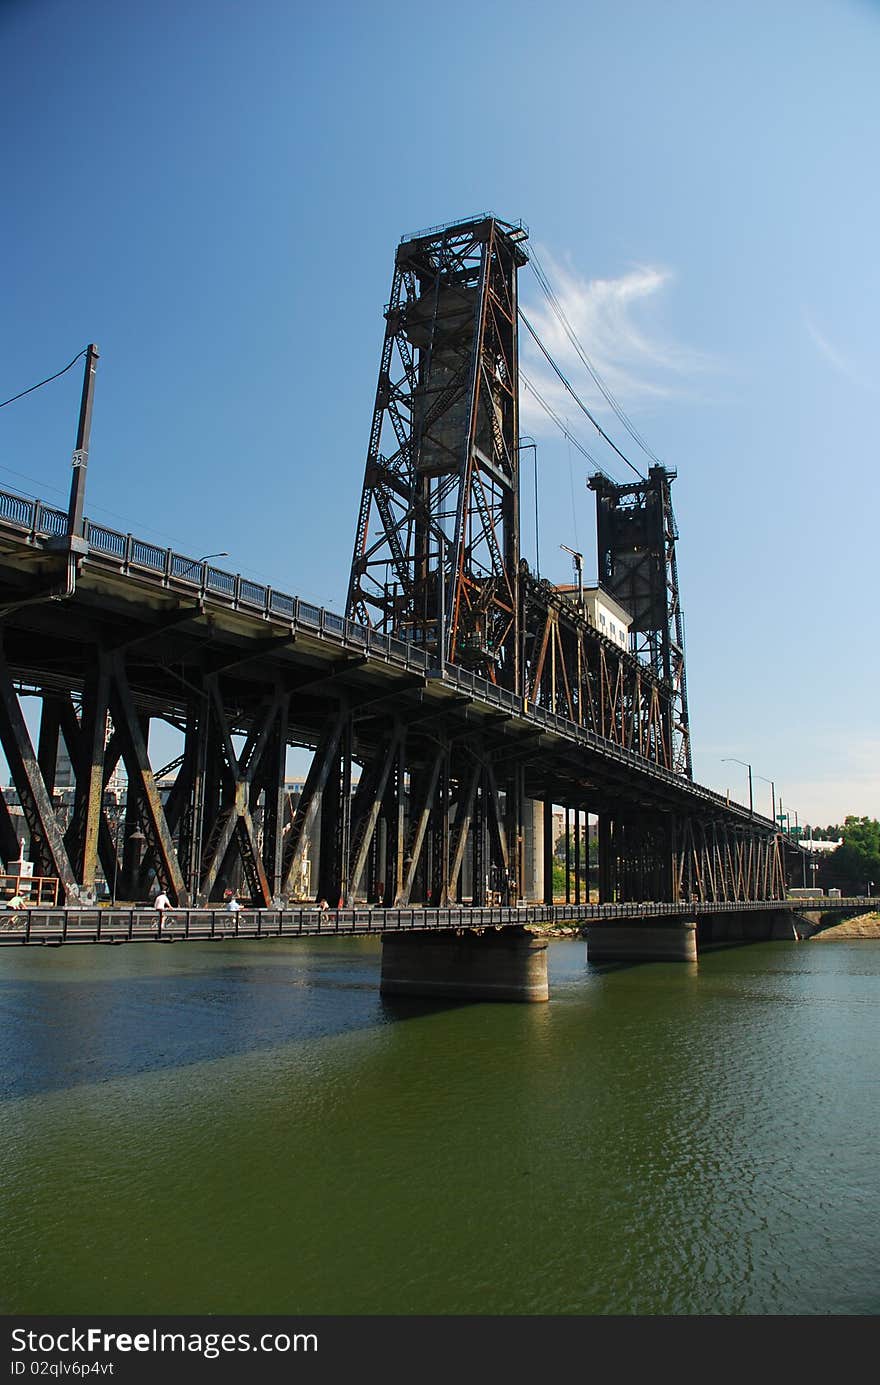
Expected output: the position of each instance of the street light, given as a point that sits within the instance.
(578, 559)
(727, 759)
(197, 562)
(772, 794)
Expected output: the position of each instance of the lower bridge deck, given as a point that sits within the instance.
(54, 927)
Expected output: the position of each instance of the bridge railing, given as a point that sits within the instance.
(41, 521)
(53, 926)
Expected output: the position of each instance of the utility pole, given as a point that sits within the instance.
(81, 451)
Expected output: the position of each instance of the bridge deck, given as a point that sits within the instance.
(54, 927)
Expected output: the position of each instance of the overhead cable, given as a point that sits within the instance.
(47, 381)
(560, 313)
(561, 425)
(580, 403)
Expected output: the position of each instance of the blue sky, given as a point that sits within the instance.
(213, 193)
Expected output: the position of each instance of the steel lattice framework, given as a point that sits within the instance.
(418, 787)
(436, 552)
(636, 537)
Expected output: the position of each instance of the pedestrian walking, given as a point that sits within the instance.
(161, 904)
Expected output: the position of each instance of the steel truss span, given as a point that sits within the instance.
(417, 768)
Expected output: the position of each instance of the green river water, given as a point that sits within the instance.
(249, 1128)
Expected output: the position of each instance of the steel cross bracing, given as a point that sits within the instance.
(421, 776)
(442, 465)
(637, 535)
(437, 541)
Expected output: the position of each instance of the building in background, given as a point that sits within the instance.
(601, 610)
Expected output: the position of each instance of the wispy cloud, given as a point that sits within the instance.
(841, 363)
(639, 366)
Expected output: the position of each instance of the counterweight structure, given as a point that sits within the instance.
(636, 536)
(436, 552)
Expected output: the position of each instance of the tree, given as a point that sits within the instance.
(857, 861)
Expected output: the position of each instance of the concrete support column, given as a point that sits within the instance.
(577, 856)
(606, 882)
(533, 850)
(651, 940)
(548, 851)
(496, 964)
(762, 925)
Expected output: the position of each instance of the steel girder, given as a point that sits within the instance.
(663, 857)
(573, 670)
(636, 540)
(409, 806)
(441, 484)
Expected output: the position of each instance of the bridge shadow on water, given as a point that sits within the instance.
(66, 1022)
(79, 1017)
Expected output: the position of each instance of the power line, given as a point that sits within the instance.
(566, 432)
(560, 313)
(580, 403)
(47, 381)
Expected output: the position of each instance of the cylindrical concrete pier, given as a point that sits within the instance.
(494, 964)
(653, 940)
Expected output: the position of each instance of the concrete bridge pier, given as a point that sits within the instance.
(749, 926)
(643, 940)
(490, 964)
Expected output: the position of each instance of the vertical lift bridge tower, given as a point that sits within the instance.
(636, 534)
(436, 554)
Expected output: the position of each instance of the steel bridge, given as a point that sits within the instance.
(457, 691)
(447, 757)
(111, 926)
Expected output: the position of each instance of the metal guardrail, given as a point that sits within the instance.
(474, 220)
(53, 927)
(136, 556)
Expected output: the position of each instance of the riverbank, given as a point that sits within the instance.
(862, 926)
(569, 931)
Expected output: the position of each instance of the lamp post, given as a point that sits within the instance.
(727, 759)
(578, 559)
(197, 562)
(772, 794)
